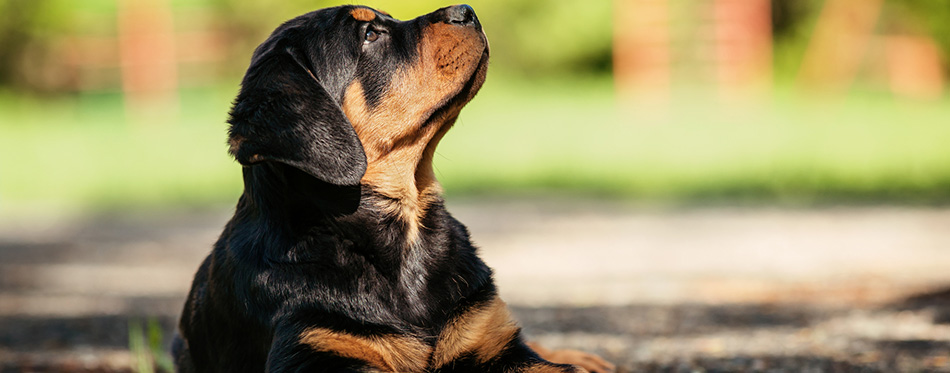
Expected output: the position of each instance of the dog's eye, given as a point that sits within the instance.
(371, 36)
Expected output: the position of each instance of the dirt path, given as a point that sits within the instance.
(654, 290)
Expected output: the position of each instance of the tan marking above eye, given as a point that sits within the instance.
(363, 14)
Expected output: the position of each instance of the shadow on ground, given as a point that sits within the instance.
(640, 338)
(69, 292)
(937, 302)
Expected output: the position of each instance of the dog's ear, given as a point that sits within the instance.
(284, 114)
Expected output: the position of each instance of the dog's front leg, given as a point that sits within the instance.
(291, 351)
(307, 347)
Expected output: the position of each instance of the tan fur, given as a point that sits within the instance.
(396, 138)
(581, 359)
(543, 368)
(363, 14)
(483, 331)
(235, 144)
(388, 354)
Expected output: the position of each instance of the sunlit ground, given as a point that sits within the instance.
(792, 232)
(856, 289)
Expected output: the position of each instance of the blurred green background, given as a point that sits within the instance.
(554, 118)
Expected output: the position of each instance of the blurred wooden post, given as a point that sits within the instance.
(839, 44)
(914, 67)
(642, 55)
(147, 58)
(743, 46)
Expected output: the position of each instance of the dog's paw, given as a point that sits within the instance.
(592, 363)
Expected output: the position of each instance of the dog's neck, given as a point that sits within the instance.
(295, 210)
(275, 191)
(281, 194)
(404, 177)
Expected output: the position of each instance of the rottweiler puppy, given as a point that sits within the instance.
(341, 256)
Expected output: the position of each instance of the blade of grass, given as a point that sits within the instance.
(156, 345)
(142, 362)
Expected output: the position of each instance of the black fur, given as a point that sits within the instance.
(286, 113)
(308, 245)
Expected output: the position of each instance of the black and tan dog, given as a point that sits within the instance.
(340, 255)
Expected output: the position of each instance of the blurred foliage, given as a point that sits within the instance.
(792, 25)
(794, 20)
(530, 37)
(533, 38)
(28, 28)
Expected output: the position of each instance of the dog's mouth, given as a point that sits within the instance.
(475, 82)
(447, 110)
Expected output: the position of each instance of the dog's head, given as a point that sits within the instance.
(350, 95)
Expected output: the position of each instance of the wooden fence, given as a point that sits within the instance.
(729, 43)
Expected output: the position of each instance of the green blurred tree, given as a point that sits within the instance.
(26, 28)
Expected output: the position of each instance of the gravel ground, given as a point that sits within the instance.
(693, 290)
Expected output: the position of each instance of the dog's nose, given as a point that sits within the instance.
(462, 15)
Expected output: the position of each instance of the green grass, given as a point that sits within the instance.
(85, 154)
(147, 348)
(788, 150)
(515, 138)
